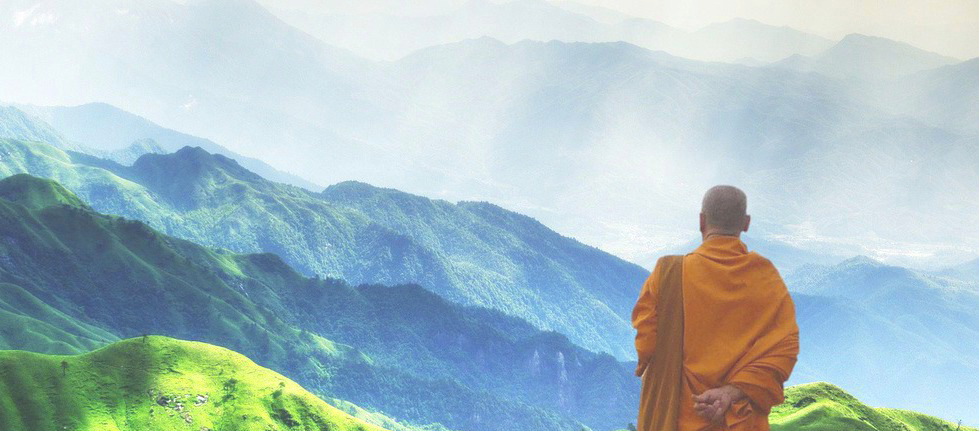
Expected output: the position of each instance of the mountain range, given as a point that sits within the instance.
(256, 304)
(473, 253)
(868, 58)
(423, 359)
(888, 332)
(109, 132)
(402, 222)
(390, 37)
(557, 129)
(467, 315)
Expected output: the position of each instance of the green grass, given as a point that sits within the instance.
(26, 321)
(36, 194)
(824, 407)
(157, 383)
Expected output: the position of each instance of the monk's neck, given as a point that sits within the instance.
(708, 235)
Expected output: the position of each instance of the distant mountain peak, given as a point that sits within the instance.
(863, 41)
(350, 186)
(191, 175)
(37, 193)
(741, 21)
(749, 23)
(861, 44)
(196, 153)
(861, 260)
(196, 160)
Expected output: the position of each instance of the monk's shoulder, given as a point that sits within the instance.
(762, 261)
(766, 267)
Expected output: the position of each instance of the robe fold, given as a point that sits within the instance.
(739, 328)
(659, 400)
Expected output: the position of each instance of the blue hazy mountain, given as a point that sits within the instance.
(895, 336)
(968, 271)
(556, 130)
(167, 70)
(393, 36)
(582, 122)
(881, 327)
(945, 97)
(17, 124)
(868, 58)
(112, 133)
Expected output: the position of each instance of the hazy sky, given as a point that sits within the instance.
(949, 27)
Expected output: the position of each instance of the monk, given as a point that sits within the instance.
(716, 330)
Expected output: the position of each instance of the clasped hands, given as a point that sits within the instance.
(714, 403)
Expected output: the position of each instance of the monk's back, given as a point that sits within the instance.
(728, 338)
(729, 296)
(736, 308)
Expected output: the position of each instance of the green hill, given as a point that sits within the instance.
(825, 407)
(472, 253)
(821, 406)
(157, 383)
(92, 278)
(28, 322)
(35, 194)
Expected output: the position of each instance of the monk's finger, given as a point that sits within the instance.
(718, 413)
(704, 410)
(705, 397)
(706, 414)
(718, 418)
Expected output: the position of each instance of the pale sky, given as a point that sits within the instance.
(949, 27)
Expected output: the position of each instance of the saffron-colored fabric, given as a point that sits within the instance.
(662, 380)
(739, 329)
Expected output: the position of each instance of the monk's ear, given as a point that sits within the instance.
(747, 221)
(703, 223)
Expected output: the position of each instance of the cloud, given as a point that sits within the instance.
(33, 18)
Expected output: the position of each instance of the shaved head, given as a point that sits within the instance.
(725, 209)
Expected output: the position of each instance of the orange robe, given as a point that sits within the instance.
(739, 329)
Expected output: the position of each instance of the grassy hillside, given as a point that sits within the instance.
(157, 383)
(821, 406)
(825, 407)
(127, 279)
(473, 253)
(28, 322)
